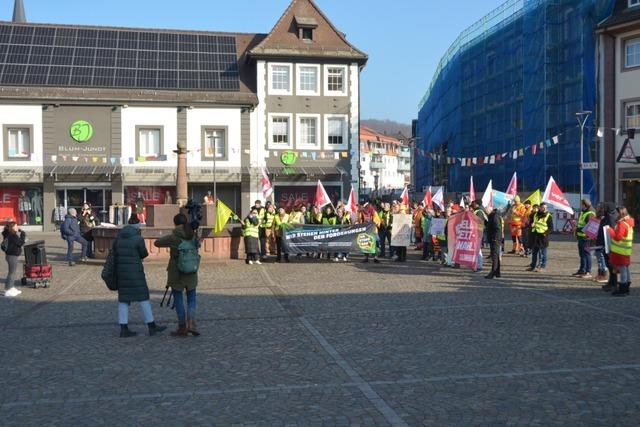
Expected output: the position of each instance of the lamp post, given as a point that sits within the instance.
(582, 117)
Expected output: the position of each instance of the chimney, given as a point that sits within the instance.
(18, 12)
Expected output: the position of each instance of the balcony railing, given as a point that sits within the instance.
(404, 154)
(376, 165)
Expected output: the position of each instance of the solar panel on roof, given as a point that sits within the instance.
(84, 57)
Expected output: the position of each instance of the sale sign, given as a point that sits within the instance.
(465, 238)
(152, 195)
(9, 204)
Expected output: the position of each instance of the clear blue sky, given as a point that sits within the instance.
(404, 38)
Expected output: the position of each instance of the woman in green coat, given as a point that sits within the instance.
(132, 283)
(178, 281)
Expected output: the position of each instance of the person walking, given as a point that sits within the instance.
(494, 236)
(13, 240)
(70, 231)
(130, 250)
(584, 243)
(540, 229)
(621, 250)
(178, 281)
(251, 233)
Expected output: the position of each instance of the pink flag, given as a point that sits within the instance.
(555, 197)
(487, 199)
(405, 196)
(512, 190)
(464, 232)
(322, 198)
(472, 191)
(428, 199)
(267, 188)
(352, 203)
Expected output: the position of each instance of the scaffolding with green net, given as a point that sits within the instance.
(513, 80)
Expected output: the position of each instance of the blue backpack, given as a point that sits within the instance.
(188, 257)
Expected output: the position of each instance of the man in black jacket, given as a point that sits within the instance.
(494, 237)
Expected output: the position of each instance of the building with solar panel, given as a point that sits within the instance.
(95, 114)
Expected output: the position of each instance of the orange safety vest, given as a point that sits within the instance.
(517, 214)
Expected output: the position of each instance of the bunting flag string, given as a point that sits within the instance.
(534, 149)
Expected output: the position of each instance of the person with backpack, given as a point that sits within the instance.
(12, 243)
(70, 232)
(129, 251)
(182, 273)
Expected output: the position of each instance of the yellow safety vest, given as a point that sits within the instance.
(268, 220)
(540, 225)
(295, 218)
(582, 221)
(251, 230)
(624, 246)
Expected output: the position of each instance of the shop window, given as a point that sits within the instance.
(18, 143)
(214, 141)
(21, 204)
(149, 142)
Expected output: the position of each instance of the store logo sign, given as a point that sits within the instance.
(81, 131)
(289, 158)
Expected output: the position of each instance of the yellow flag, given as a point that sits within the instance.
(376, 219)
(535, 198)
(223, 213)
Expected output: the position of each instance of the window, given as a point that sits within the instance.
(214, 140)
(335, 80)
(308, 79)
(336, 130)
(632, 53)
(307, 34)
(280, 131)
(632, 115)
(149, 141)
(18, 143)
(633, 3)
(280, 79)
(308, 131)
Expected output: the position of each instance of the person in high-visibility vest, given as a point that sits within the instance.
(584, 272)
(621, 250)
(251, 233)
(518, 211)
(267, 238)
(342, 218)
(279, 223)
(541, 227)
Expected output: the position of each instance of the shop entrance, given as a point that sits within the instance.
(631, 198)
(74, 197)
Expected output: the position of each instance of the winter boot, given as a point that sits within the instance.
(155, 329)
(192, 328)
(181, 331)
(125, 332)
(612, 284)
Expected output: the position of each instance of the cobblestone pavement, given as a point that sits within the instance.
(318, 343)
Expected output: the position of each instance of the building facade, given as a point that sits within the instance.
(385, 163)
(95, 114)
(619, 104)
(504, 99)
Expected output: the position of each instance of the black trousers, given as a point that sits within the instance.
(495, 248)
(385, 237)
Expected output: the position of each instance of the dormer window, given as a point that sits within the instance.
(306, 28)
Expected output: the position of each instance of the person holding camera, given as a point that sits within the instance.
(12, 242)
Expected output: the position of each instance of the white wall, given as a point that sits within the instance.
(28, 115)
(137, 116)
(223, 117)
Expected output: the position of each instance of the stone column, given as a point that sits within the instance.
(182, 196)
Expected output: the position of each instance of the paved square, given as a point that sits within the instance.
(318, 343)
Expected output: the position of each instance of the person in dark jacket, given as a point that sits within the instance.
(130, 250)
(609, 217)
(87, 223)
(70, 231)
(541, 227)
(494, 237)
(13, 240)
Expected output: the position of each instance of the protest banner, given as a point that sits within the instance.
(591, 228)
(464, 238)
(437, 226)
(401, 231)
(302, 239)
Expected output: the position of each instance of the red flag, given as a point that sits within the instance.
(405, 196)
(534, 149)
(512, 190)
(472, 190)
(322, 198)
(267, 188)
(555, 197)
(428, 199)
(352, 203)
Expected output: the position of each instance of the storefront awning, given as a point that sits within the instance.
(81, 169)
(306, 171)
(20, 174)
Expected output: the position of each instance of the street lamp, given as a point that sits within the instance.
(582, 117)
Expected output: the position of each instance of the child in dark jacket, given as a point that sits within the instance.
(12, 242)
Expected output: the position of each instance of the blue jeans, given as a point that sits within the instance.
(178, 301)
(539, 258)
(71, 241)
(625, 275)
(585, 255)
(602, 262)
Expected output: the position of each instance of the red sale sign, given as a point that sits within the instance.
(9, 203)
(464, 238)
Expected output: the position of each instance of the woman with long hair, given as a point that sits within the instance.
(12, 241)
(621, 250)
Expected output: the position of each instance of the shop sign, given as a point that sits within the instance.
(289, 158)
(151, 195)
(287, 196)
(82, 135)
(81, 131)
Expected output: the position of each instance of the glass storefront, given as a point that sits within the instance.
(21, 203)
(631, 198)
(228, 193)
(98, 198)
